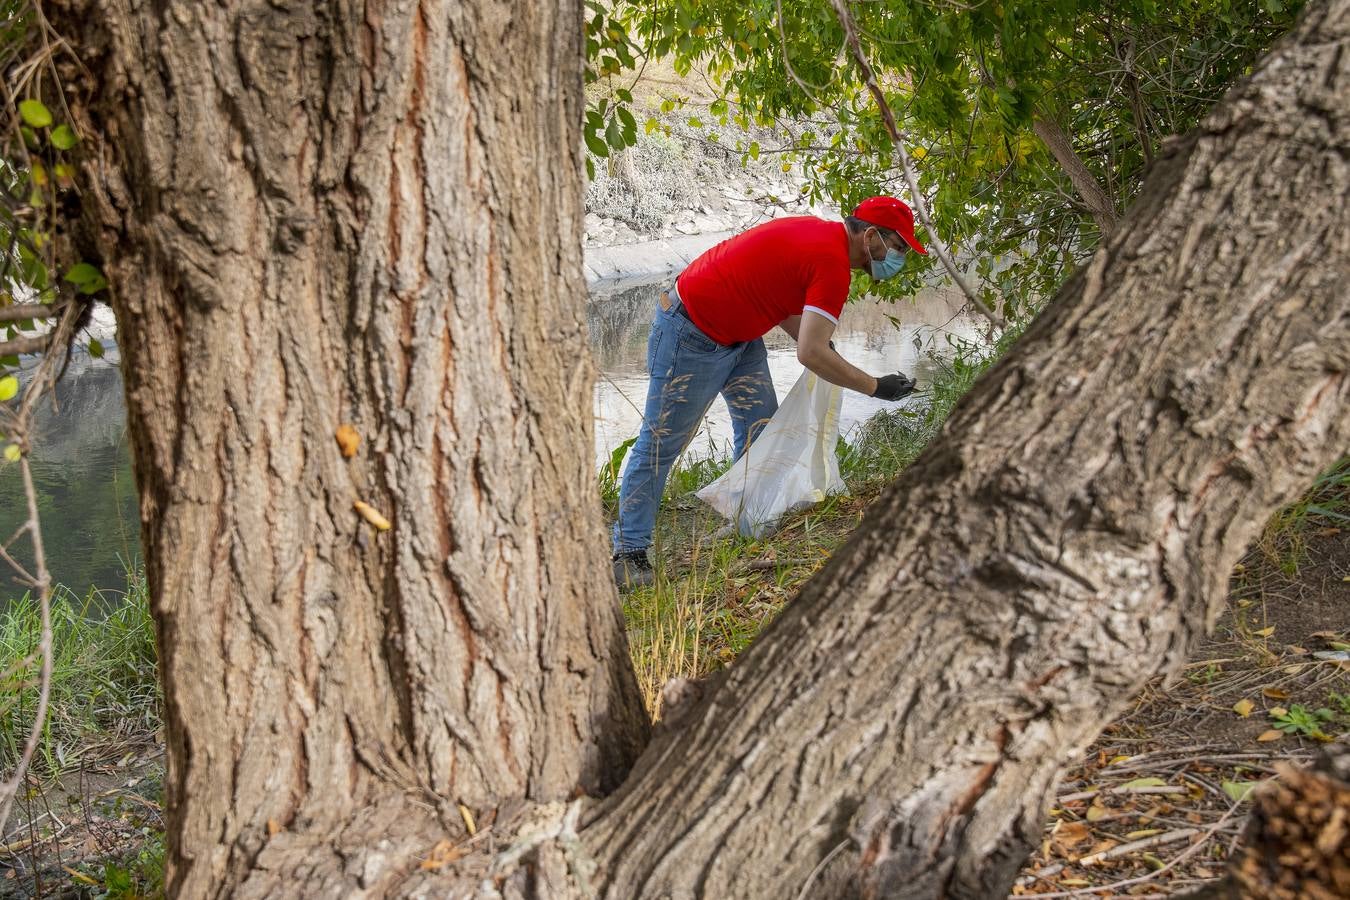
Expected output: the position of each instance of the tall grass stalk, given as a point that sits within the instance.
(104, 684)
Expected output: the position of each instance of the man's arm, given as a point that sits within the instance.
(791, 324)
(814, 352)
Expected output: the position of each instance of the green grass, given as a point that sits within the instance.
(712, 597)
(104, 684)
(1325, 505)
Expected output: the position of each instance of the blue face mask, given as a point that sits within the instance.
(889, 267)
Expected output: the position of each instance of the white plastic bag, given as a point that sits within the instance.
(791, 464)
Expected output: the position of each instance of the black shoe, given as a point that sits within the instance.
(632, 569)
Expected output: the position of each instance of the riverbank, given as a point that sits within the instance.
(1168, 778)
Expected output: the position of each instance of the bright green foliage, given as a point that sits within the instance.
(1303, 721)
(86, 278)
(9, 387)
(64, 137)
(611, 58)
(35, 113)
(965, 82)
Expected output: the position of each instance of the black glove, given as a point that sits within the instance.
(893, 387)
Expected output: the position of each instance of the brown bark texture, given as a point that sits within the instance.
(370, 213)
(1089, 190)
(365, 213)
(1068, 537)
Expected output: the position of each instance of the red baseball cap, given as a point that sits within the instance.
(889, 212)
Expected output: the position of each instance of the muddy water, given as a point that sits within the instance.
(876, 337)
(83, 471)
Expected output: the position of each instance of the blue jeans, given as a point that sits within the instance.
(688, 370)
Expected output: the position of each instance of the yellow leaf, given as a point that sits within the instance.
(468, 819)
(1143, 833)
(1074, 882)
(1271, 735)
(1276, 712)
(9, 386)
(1275, 693)
(80, 876)
(349, 439)
(1265, 632)
(12, 453)
(1244, 707)
(918, 153)
(1095, 812)
(372, 515)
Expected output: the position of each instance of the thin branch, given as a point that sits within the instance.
(44, 587)
(25, 345)
(907, 166)
(19, 311)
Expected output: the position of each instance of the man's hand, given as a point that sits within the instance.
(893, 387)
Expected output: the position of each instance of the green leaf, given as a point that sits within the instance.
(695, 122)
(1145, 782)
(12, 453)
(596, 146)
(9, 360)
(95, 348)
(35, 113)
(1238, 790)
(88, 279)
(9, 386)
(64, 137)
(614, 134)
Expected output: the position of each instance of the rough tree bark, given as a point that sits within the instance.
(362, 212)
(371, 213)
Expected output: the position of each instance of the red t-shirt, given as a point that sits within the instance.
(744, 286)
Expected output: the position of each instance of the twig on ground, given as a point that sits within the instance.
(1151, 842)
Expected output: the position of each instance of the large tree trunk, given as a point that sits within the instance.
(365, 213)
(1068, 537)
(331, 213)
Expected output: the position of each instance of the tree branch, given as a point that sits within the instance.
(18, 312)
(24, 345)
(907, 166)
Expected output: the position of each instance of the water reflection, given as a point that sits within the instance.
(82, 473)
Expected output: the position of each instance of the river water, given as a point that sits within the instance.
(82, 465)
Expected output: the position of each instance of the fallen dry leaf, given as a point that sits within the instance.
(1275, 693)
(348, 439)
(1265, 632)
(1276, 712)
(1244, 707)
(1271, 735)
(273, 827)
(1069, 834)
(442, 854)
